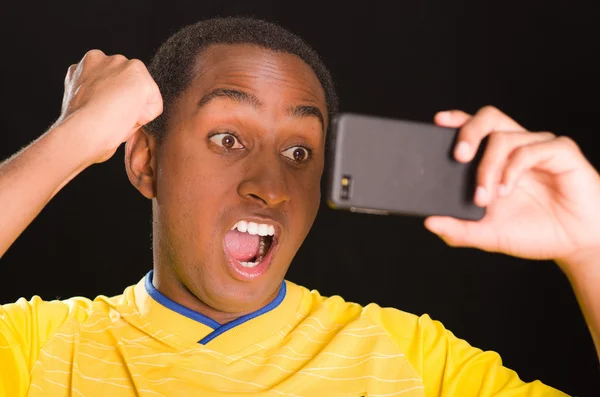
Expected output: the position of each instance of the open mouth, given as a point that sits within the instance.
(249, 242)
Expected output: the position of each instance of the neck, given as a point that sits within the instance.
(182, 295)
(177, 292)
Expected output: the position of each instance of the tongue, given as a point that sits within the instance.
(242, 246)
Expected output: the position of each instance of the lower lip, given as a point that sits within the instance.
(243, 273)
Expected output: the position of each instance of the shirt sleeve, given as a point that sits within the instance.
(449, 366)
(25, 326)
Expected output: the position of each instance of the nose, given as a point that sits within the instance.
(265, 183)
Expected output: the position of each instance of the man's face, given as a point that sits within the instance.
(245, 144)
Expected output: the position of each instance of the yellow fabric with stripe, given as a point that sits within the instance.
(131, 345)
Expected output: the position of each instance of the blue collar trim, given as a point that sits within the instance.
(201, 318)
(176, 307)
(225, 327)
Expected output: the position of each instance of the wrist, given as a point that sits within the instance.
(580, 263)
(73, 137)
(66, 151)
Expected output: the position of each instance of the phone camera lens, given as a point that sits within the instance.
(345, 192)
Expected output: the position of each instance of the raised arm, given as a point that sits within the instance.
(542, 197)
(106, 99)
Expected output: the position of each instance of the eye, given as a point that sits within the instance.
(297, 153)
(226, 140)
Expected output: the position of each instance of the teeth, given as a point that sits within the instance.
(249, 264)
(242, 226)
(261, 229)
(252, 228)
(261, 249)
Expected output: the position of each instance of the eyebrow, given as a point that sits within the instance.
(307, 111)
(246, 98)
(236, 95)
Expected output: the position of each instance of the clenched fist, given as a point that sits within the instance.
(110, 97)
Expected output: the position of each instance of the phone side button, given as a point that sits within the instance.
(369, 211)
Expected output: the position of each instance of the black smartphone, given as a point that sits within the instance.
(388, 166)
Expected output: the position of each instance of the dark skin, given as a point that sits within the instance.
(245, 141)
(541, 193)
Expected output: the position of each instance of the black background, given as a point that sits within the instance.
(403, 59)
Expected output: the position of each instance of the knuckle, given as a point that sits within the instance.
(568, 143)
(136, 64)
(450, 241)
(521, 152)
(489, 111)
(91, 57)
(545, 134)
(118, 58)
(93, 54)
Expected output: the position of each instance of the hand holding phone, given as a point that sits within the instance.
(387, 166)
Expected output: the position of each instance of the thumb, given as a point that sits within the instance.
(153, 106)
(451, 118)
(459, 233)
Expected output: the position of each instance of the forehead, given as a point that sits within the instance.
(273, 76)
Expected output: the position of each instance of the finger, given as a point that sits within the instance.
(460, 233)
(94, 54)
(554, 156)
(70, 72)
(154, 103)
(91, 58)
(483, 123)
(155, 95)
(117, 58)
(451, 118)
(454, 119)
(499, 148)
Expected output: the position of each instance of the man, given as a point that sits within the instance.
(233, 167)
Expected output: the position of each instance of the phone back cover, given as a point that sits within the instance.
(399, 167)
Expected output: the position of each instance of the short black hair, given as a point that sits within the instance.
(172, 67)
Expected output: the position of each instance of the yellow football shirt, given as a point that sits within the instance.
(141, 343)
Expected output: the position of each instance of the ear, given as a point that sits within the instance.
(140, 162)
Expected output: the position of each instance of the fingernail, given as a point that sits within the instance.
(480, 195)
(463, 151)
(445, 114)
